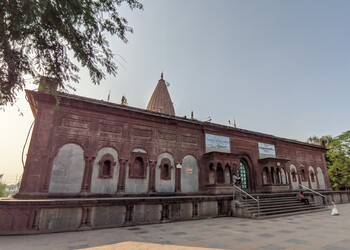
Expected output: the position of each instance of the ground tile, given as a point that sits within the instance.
(178, 233)
(266, 235)
(272, 247)
(296, 241)
(332, 247)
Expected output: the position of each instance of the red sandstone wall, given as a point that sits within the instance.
(94, 125)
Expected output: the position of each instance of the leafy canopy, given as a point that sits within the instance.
(36, 36)
(337, 158)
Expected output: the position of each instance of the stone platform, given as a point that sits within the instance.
(308, 231)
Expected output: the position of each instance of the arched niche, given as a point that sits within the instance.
(294, 177)
(189, 174)
(320, 178)
(67, 169)
(105, 171)
(312, 177)
(165, 173)
(137, 172)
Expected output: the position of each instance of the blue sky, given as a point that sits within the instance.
(277, 67)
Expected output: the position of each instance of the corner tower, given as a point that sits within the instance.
(160, 100)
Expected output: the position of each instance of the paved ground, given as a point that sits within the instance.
(309, 231)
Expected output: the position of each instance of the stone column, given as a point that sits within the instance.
(289, 179)
(299, 179)
(86, 185)
(85, 218)
(122, 174)
(152, 176)
(47, 175)
(308, 179)
(317, 181)
(177, 178)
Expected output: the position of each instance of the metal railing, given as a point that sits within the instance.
(315, 192)
(246, 195)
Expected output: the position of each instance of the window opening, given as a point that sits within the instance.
(220, 174)
(137, 169)
(294, 176)
(303, 175)
(312, 175)
(265, 175)
(165, 175)
(106, 166)
(243, 174)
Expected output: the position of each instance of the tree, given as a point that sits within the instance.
(323, 140)
(37, 35)
(2, 189)
(338, 157)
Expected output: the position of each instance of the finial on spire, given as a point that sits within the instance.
(161, 76)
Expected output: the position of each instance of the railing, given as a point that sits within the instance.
(313, 191)
(246, 195)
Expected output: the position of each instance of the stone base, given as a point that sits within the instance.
(275, 188)
(220, 189)
(59, 215)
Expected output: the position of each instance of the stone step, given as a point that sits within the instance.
(284, 208)
(277, 205)
(278, 215)
(271, 202)
(282, 213)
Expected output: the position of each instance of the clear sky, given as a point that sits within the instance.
(276, 67)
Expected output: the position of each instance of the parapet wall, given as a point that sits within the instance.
(59, 215)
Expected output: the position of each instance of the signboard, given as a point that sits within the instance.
(189, 170)
(217, 143)
(266, 150)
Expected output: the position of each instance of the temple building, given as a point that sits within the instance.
(144, 165)
(87, 147)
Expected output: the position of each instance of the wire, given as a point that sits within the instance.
(25, 143)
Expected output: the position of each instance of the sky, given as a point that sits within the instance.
(275, 67)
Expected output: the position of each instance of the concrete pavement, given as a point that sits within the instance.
(317, 230)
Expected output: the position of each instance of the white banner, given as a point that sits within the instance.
(217, 143)
(266, 150)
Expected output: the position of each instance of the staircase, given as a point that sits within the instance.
(273, 205)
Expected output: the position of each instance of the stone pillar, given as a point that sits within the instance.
(215, 176)
(36, 217)
(289, 179)
(85, 218)
(152, 176)
(317, 181)
(299, 179)
(122, 174)
(177, 178)
(86, 185)
(200, 178)
(47, 175)
(308, 179)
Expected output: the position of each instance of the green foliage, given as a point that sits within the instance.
(338, 160)
(323, 140)
(2, 189)
(37, 35)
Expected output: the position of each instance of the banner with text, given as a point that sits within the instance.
(266, 150)
(217, 143)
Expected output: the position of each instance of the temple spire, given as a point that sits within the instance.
(160, 100)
